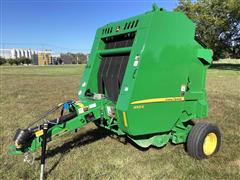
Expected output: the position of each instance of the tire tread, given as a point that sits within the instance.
(196, 137)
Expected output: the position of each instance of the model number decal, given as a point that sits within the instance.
(138, 107)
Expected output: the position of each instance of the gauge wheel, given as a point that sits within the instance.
(203, 140)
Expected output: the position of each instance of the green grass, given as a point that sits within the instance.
(26, 92)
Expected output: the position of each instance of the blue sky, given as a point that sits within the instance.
(62, 25)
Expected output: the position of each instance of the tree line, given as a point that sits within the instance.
(218, 24)
(66, 58)
(16, 61)
(74, 58)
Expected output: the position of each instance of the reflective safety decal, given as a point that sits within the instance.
(80, 110)
(125, 119)
(92, 105)
(84, 84)
(79, 104)
(39, 133)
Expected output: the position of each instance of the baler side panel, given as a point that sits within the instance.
(162, 73)
(128, 84)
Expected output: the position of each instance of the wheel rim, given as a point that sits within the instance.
(210, 144)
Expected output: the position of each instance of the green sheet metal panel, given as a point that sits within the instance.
(163, 69)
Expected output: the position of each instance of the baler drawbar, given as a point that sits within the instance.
(144, 80)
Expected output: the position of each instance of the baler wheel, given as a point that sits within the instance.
(204, 140)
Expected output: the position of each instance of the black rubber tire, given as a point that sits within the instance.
(196, 139)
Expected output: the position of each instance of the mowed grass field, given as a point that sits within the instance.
(26, 92)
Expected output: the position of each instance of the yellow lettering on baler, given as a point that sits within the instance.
(168, 99)
(138, 107)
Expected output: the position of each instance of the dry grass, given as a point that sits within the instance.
(90, 153)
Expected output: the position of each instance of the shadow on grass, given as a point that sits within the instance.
(80, 140)
(234, 67)
(85, 139)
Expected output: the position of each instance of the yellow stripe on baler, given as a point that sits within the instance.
(125, 119)
(168, 99)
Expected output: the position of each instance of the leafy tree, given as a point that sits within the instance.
(70, 58)
(81, 58)
(18, 61)
(60, 61)
(11, 61)
(67, 58)
(24, 60)
(218, 24)
(27, 61)
(2, 60)
(74, 61)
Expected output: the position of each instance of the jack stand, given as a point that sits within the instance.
(43, 153)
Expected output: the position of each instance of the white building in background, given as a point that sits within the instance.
(17, 53)
(5, 53)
